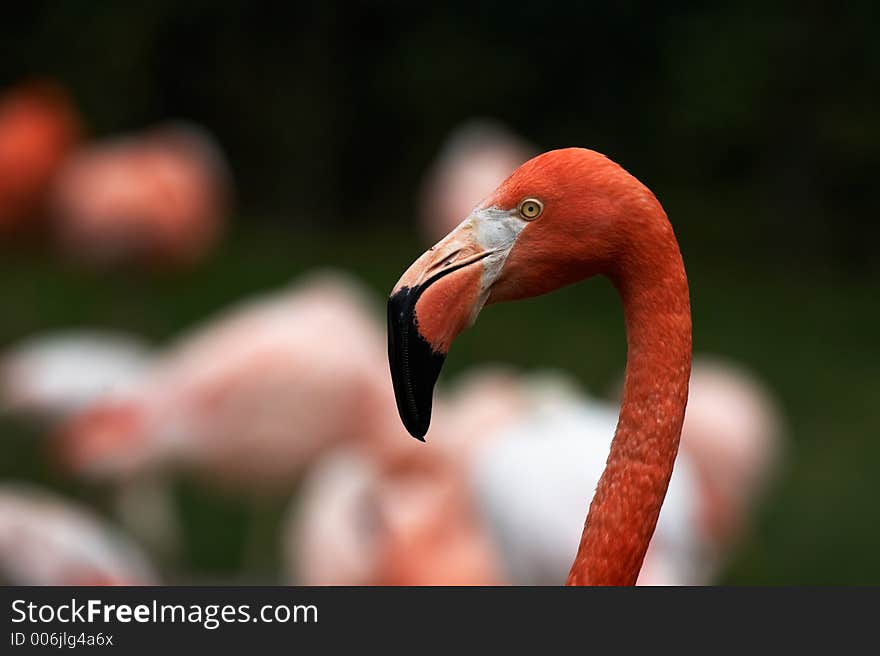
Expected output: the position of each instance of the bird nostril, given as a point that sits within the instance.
(446, 261)
(452, 257)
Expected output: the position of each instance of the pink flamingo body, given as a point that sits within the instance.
(248, 399)
(46, 540)
(159, 198)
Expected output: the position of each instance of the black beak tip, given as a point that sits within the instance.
(416, 421)
(415, 366)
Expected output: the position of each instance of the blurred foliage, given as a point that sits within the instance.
(756, 123)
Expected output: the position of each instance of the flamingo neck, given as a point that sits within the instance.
(623, 514)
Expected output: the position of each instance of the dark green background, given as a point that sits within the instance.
(755, 123)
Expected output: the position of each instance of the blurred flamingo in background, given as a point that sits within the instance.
(245, 402)
(565, 216)
(249, 399)
(476, 157)
(48, 540)
(379, 513)
(156, 198)
(404, 516)
(53, 375)
(520, 465)
(38, 128)
(734, 435)
(531, 480)
(331, 533)
(404, 520)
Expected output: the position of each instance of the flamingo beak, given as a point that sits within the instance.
(440, 295)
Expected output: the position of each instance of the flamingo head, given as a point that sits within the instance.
(563, 216)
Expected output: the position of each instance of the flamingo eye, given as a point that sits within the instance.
(530, 208)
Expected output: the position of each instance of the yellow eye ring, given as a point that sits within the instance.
(530, 208)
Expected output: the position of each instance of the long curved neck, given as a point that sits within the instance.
(624, 511)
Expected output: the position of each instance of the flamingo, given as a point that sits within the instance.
(52, 376)
(561, 217)
(734, 435)
(345, 527)
(251, 397)
(38, 128)
(55, 376)
(500, 502)
(157, 198)
(329, 534)
(48, 540)
(531, 479)
(401, 520)
(246, 402)
(530, 449)
(530, 483)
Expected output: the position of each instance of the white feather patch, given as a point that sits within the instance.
(495, 230)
